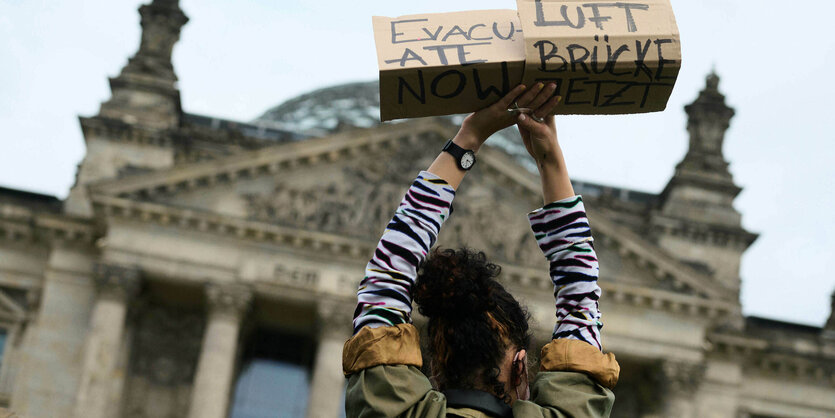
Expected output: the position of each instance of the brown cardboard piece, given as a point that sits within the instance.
(605, 57)
(447, 63)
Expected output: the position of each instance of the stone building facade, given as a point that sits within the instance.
(208, 268)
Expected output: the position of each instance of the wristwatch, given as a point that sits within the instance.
(464, 157)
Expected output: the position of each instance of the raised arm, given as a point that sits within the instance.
(384, 296)
(563, 233)
(383, 335)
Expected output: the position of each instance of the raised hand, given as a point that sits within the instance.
(537, 126)
(479, 126)
(539, 134)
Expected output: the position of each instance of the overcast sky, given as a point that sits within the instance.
(237, 59)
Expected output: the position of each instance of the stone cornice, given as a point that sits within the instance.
(206, 222)
(117, 130)
(66, 229)
(268, 160)
(710, 309)
(335, 245)
(702, 179)
(805, 368)
(715, 235)
(757, 357)
(677, 303)
(24, 226)
(15, 231)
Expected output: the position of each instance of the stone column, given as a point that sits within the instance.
(680, 380)
(328, 385)
(227, 305)
(98, 393)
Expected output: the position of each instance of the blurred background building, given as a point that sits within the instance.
(206, 268)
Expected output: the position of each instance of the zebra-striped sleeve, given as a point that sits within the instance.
(384, 296)
(563, 233)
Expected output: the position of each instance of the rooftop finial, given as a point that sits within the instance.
(145, 92)
(161, 24)
(708, 117)
(712, 82)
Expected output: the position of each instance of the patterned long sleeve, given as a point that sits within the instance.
(563, 233)
(384, 297)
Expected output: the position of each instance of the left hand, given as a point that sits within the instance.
(479, 126)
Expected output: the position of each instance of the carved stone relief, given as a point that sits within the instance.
(362, 200)
(488, 223)
(359, 203)
(166, 344)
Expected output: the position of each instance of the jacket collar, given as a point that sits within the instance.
(478, 400)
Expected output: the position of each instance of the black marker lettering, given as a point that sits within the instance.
(456, 31)
(597, 84)
(612, 59)
(408, 55)
(641, 51)
(646, 93)
(433, 36)
(483, 93)
(627, 8)
(462, 53)
(544, 58)
(440, 50)
(401, 84)
(395, 33)
(473, 28)
(619, 93)
(595, 11)
(594, 67)
(509, 33)
(462, 82)
(648, 86)
(581, 60)
(540, 17)
(571, 90)
(662, 61)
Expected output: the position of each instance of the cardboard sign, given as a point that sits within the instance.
(441, 64)
(605, 57)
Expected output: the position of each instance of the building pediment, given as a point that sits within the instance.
(343, 189)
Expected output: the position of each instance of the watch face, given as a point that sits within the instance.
(467, 160)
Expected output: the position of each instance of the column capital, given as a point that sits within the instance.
(228, 299)
(333, 317)
(682, 377)
(116, 281)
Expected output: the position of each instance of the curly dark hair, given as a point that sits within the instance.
(472, 319)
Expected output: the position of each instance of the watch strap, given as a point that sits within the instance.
(458, 152)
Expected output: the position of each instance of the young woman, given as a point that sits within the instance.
(478, 333)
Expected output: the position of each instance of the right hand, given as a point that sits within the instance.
(479, 126)
(540, 138)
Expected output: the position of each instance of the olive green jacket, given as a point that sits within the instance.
(384, 379)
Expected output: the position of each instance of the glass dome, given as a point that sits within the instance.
(334, 108)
